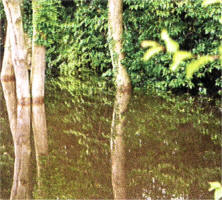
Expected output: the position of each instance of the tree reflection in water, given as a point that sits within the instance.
(167, 154)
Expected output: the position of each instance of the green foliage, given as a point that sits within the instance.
(47, 21)
(220, 52)
(77, 42)
(191, 25)
(209, 2)
(75, 35)
(27, 16)
(149, 43)
(151, 52)
(2, 13)
(178, 57)
(195, 65)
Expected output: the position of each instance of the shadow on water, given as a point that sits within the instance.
(172, 149)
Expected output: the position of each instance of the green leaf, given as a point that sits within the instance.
(214, 185)
(178, 57)
(151, 52)
(195, 65)
(218, 189)
(149, 43)
(171, 45)
(208, 2)
(220, 53)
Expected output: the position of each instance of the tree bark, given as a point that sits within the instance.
(21, 181)
(38, 107)
(123, 94)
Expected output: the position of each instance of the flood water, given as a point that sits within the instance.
(171, 143)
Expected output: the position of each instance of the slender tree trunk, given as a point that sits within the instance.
(21, 181)
(123, 94)
(8, 85)
(38, 108)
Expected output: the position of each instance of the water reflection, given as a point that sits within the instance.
(40, 137)
(6, 151)
(118, 167)
(117, 142)
(167, 154)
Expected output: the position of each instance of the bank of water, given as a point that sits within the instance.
(172, 147)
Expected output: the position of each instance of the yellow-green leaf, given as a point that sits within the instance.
(151, 52)
(218, 194)
(214, 185)
(171, 45)
(195, 65)
(164, 35)
(149, 43)
(218, 189)
(208, 2)
(178, 57)
(220, 53)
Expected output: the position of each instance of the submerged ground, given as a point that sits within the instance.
(172, 146)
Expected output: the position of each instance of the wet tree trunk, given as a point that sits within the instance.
(21, 183)
(123, 93)
(38, 108)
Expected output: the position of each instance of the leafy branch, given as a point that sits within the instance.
(172, 47)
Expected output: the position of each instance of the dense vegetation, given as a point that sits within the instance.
(75, 34)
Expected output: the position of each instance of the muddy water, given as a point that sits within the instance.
(171, 147)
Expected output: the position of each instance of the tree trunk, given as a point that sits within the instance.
(21, 181)
(8, 85)
(38, 108)
(123, 94)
